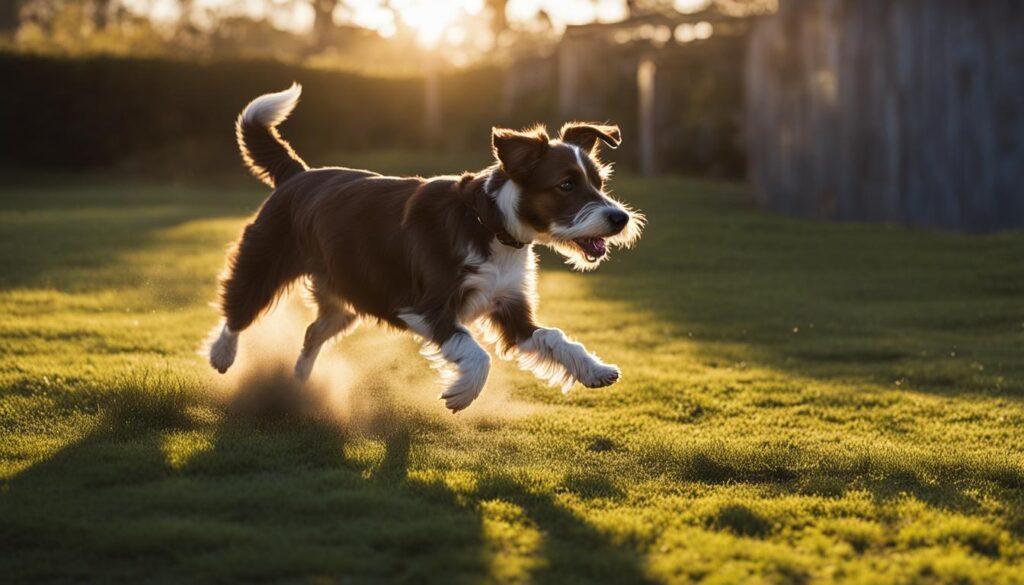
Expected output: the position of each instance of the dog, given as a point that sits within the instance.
(430, 256)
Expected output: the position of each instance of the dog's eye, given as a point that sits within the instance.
(567, 185)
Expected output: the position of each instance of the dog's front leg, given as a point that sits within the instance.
(463, 363)
(548, 353)
(560, 361)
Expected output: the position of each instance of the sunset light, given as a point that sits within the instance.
(432, 19)
(429, 19)
(504, 292)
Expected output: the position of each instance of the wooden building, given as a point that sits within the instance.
(906, 111)
(673, 81)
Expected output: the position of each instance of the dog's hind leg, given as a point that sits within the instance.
(463, 363)
(262, 264)
(333, 318)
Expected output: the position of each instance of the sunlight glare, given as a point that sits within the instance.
(372, 15)
(432, 18)
(455, 36)
(703, 30)
(568, 12)
(688, 6)
(161, 12)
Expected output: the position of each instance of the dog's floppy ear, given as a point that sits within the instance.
(519, 151)
(586, 135)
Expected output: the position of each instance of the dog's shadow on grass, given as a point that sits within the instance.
(166, 488)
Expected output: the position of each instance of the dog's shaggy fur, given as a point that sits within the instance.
(431, 256)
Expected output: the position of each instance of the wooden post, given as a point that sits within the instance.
(432, 101)
(568, 78)
(646, 73)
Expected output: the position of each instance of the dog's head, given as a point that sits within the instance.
(556, 192)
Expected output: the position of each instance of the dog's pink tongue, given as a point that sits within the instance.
(594, 248)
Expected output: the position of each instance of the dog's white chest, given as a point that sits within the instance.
(508, 273)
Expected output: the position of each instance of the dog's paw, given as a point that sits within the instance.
(463, 390)
(223, 350)
(600, 376)
(465, 385)
(222, 360)
(458, 401)
(464, 366)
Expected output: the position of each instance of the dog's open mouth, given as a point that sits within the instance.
(593, 248)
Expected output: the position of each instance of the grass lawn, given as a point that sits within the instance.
(801, 402)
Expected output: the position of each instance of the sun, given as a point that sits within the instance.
(432, 18)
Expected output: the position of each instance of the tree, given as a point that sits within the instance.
(9, 11)
(101, 13)
(323, 22)
(499, 17)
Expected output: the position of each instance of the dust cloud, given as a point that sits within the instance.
(364, 382)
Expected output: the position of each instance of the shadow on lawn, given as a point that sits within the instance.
(304, 499)
(281, 499)
(887, 476)
(70, 249)
(73, 232)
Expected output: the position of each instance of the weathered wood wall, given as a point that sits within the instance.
(907, 111)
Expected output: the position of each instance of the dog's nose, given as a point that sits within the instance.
(617, 219)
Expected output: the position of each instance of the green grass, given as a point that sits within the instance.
(801, 402)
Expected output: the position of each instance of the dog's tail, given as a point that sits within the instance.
(269, 157)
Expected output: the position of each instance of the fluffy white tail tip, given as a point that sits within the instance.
(271, 109)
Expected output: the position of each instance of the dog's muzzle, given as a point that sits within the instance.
(595, 248)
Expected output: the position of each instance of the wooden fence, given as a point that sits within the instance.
(908, 111)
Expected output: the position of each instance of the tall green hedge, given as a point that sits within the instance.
(96, 112)
(78, 113)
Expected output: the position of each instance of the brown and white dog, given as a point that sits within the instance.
(431, 256)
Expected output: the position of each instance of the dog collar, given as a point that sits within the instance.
(506, 238)
(490, 217)
(499, 232)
